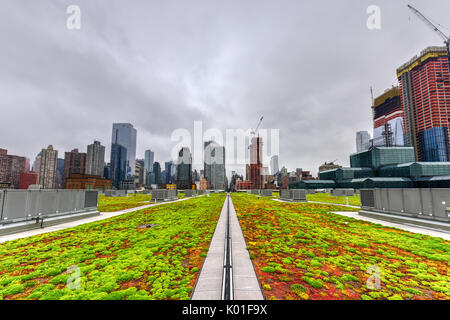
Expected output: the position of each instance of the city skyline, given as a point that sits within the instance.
(220, 83)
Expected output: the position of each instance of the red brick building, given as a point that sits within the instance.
(74, 163)
(244, 185)
(27, 179)
(87, 182)
(256, 163)
(11, 167)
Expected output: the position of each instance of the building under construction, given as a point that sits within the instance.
(425, 99)
(256, 163)
(388, 119)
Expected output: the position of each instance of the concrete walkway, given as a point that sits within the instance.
(101, 216)
(330, 204)
(410, 228)
(245, 282)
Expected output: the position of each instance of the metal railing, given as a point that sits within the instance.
(430, 204)
(227, 285)
(24, 205)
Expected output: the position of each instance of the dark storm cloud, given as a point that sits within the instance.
(305, 65)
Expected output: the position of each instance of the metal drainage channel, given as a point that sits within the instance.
(227, 284)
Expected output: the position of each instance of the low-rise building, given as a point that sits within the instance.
(87, 182)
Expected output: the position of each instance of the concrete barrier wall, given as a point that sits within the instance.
(116, 193)
(190, 193)
(18, 205)
(164, 195)
(266, 193)
(298, 195)
(343, 192)
(285, 194)
(431, 204)
(293, 194)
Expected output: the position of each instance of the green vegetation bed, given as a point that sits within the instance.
(301, 251)
(112, 204)
(116, 258)
(328, 198)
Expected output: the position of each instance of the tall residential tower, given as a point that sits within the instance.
(95, 159)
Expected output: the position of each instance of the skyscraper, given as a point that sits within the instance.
(95, 159)
(118, 164)
(168, 168)
(149, 159)
(59, 183)
(256, 162)
(184, 169)
(274, 166)
(74, 163)
(424, 92)
(47, 169)
(214, 165)
(157, 173)
(140, 176)
(362, 141)
(123, 152)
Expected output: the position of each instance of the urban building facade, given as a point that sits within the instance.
(118, 164)
(149, 159)
(362, 141)
(274, 166)
(95, 159)
(168, 166)
(157, 173)
(59, 184)
(214, 165)
(27, 179)
(123, 153)
(388, 119)
(74, 163)
(184, 169)
(87, 182)
(383, 167)
(11, 167)
(329, 166)
(424, 92)
(140, 174)
(256, 162)
(48, 160)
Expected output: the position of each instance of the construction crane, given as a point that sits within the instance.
(255, 131)
(436, 29)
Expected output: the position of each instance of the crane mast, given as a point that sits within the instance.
(254, 132)
(435, 29)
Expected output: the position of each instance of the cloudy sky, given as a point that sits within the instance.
(306, 66)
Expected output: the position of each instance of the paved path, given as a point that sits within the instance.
(245, 282)
(330, 204)
(410, 228)
(101, 216)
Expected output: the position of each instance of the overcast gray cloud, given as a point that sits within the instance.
(305, 65)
